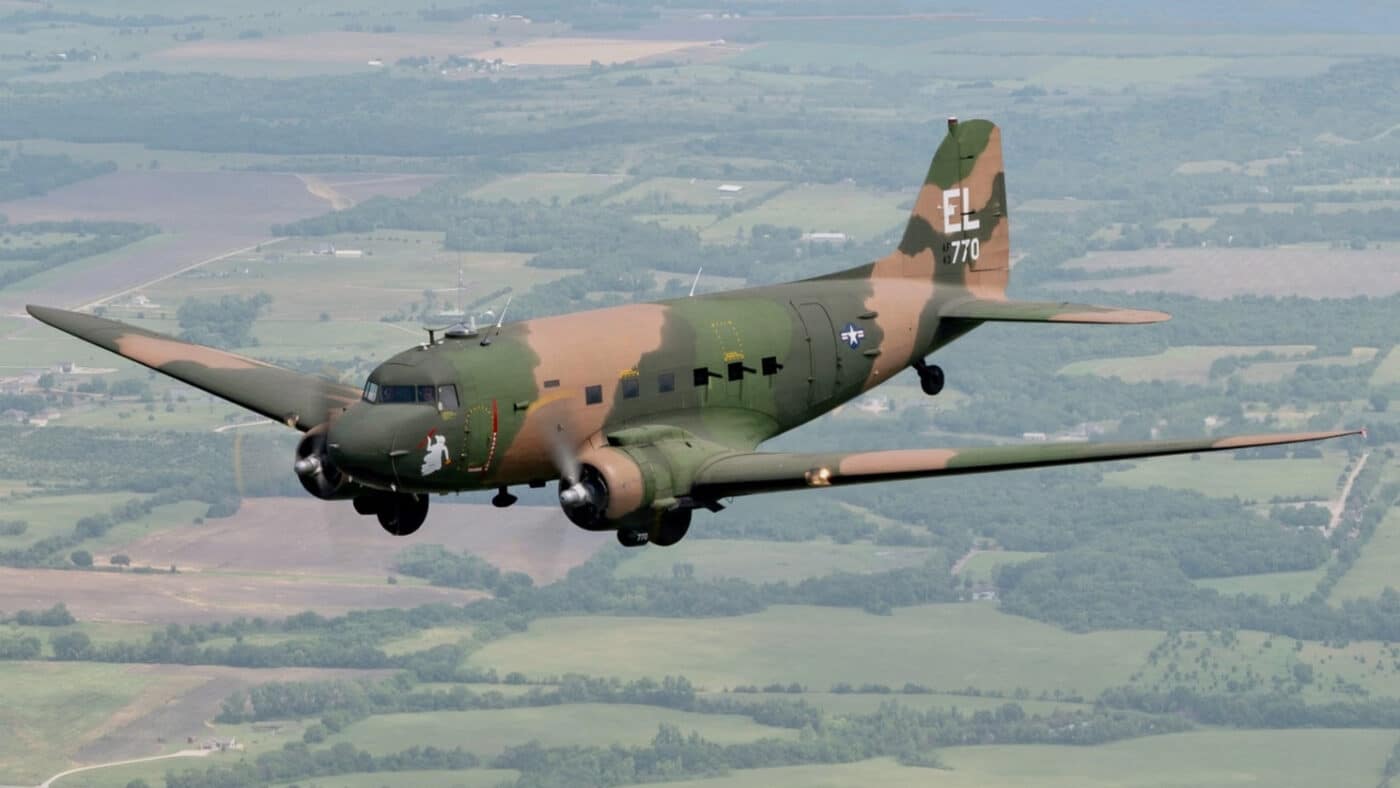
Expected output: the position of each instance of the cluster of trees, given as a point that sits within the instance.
(1256, 710)
(296, 761)
(227, 322)
(98, 237)
(56, 616)
(442, 567)
(1092, 588)
(28, 175)
(892, 730)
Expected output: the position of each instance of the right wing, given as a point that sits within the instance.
(758, 472)
(297, 400)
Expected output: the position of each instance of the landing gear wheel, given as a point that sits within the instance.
(930, 378)
(671, 528)
(631, 538)
(366, 504)
(401, 514)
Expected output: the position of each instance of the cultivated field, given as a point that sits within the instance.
(567, 51)
(766, 562)
(488, 732)
(1215, 759)
(1275, 585)
(858, 212)
(940, 646)
(199, 597)
(320, 539)
(1184, 364)
(61, 714)
(1378, 568)
(1223, 476)
(546, 186)
(1309, 271)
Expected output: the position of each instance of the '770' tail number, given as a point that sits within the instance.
(965, 250)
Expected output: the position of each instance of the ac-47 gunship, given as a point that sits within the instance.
(644, 413)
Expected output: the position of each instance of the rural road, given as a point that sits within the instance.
(180, 754)
(1339, 506)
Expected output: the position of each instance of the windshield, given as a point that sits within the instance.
(424, 393)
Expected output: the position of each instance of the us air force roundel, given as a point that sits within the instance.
(852, 334)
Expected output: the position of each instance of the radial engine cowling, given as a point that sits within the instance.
(617, 490)
(318, 474)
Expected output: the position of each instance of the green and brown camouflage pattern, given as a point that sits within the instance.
(773, 358)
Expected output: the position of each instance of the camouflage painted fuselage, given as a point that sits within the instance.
(649, 411)
(733, 368)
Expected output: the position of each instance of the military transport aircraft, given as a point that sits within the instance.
(647, 412)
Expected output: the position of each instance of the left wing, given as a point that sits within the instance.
(747, 473)
(297, 400)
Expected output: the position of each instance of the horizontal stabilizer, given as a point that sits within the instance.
(1048, 312)
(744, 474)
(301, 401)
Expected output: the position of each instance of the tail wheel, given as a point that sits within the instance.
(401, 514)
(930, 379)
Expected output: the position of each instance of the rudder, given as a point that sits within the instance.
(959, 231)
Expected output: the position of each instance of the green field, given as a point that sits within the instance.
(1185, 364)
(858, 212)
(1275, 585)
(1388, 372)
(52, 515)
(98, 631)
(50, 709)
(982, 566)
(425, 639)
(842, 703)
(694, 191)
(939, 646)
(396, 268)
(546, 186)
(764, 562)
(1209, 759)
(472, 778)
(1378, 568)
(488, 732)
(1223, 476)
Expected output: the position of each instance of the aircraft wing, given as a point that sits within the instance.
(744, 474)
(301, 401)
(994, 310)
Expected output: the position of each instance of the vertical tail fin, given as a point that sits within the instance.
(959, 232)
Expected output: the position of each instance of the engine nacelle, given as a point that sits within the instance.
(318, 474)
(612, 490)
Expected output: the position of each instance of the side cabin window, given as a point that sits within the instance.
(447, 397)
(631, 387)
(665, 383)
(593, 395)
(371, 392)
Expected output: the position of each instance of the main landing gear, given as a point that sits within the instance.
(399, 513)
(665, 530)
(930, 377)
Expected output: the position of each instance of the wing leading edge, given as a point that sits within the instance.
(301, 401)
(745, 474)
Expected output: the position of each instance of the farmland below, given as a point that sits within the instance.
(315, 186)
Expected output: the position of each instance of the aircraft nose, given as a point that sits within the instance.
(359, 444)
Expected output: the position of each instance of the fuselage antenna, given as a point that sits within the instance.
(696, 281)
(496, 329)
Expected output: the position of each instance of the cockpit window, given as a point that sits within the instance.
(426, 393)
(396, 394)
